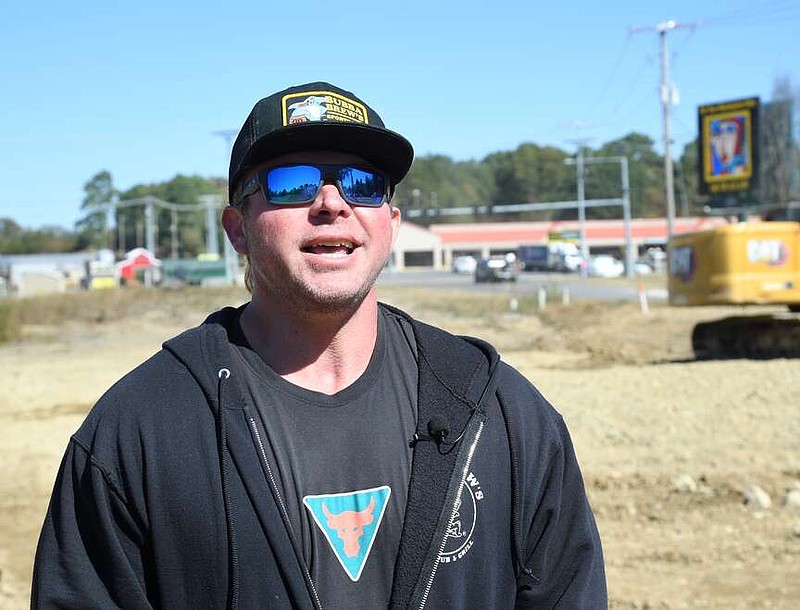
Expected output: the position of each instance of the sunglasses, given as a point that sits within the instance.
(288, 185)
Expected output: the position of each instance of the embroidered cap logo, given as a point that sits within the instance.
(323, 107)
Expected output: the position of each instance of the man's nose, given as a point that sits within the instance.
(330, 201)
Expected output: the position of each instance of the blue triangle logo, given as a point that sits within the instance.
(350, 522)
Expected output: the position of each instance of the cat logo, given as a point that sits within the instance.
(772, 252)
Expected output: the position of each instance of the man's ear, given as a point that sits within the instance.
(396, 221)
(233, 223)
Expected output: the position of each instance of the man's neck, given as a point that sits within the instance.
(320, 352)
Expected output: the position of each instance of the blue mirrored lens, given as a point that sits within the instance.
(362, 187)
(299, 184)
(292, 184)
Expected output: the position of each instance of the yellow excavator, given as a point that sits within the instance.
(741, 263)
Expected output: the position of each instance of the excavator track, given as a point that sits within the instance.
(753, 337)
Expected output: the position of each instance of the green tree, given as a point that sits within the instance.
(10, 232)
(189, 225)
(506, 187)
(779, 159)
(687, 180)
(646, 173)
(15, 239)
(436, 181)
(532, 174)
(430, 183)
(92, 228)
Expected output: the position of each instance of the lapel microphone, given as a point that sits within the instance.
(437, 428)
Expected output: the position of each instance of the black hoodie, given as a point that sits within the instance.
(164, 498)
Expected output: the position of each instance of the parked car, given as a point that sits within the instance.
(464, 264)
(642, 266)
(605, 265)
(497, 269)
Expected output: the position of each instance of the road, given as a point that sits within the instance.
(556, 285)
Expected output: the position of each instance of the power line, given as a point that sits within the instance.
(686, 130)
(599, 98)
(626, 98)
(624, 93)
(781, 10)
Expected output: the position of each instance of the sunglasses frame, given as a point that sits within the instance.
(328, 172)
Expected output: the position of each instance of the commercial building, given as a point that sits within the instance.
(436, 246)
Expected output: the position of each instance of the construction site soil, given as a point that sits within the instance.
(676, 453)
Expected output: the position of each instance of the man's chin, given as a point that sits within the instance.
(334, 299)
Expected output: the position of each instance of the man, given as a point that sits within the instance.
(314, 448)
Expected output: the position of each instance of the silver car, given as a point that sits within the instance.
(497, 269)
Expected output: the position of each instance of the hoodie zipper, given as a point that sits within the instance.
(463, 463)
(282, 505)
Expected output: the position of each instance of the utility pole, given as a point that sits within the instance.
(582, 212)
(228, 135)
(173, 229)
(666, 105)
(580, 166)
(150, 237)
(626, 216)
(212, 203)
(231, 257)
(120, 232)
(580, 161)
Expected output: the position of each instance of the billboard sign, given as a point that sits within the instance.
(728, 146)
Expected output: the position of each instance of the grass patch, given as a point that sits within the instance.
(454, 303)
(9, 321)
(437, 306)
(100, 306)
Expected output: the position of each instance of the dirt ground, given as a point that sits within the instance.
(668, 445)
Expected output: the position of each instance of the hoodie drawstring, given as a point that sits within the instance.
(222, 437)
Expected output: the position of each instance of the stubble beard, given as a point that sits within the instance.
(303, 288)
(298, 292)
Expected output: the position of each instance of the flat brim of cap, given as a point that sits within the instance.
(386, 150)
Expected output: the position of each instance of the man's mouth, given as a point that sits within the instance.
(337, 247)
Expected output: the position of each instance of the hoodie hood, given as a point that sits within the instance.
(205, 350)
(473, 378)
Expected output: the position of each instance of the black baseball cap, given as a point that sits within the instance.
(317, 116)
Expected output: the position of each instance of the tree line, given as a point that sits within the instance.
(528, 174)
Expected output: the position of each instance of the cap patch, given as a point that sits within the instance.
(321, 106)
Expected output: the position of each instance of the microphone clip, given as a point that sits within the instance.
(437, 431)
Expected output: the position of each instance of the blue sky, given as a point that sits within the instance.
(139, 88)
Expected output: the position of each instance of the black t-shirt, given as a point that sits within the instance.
(343, 464)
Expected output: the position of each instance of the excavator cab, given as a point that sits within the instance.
(743, 263)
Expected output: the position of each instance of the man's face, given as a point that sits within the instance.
(320, 257)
